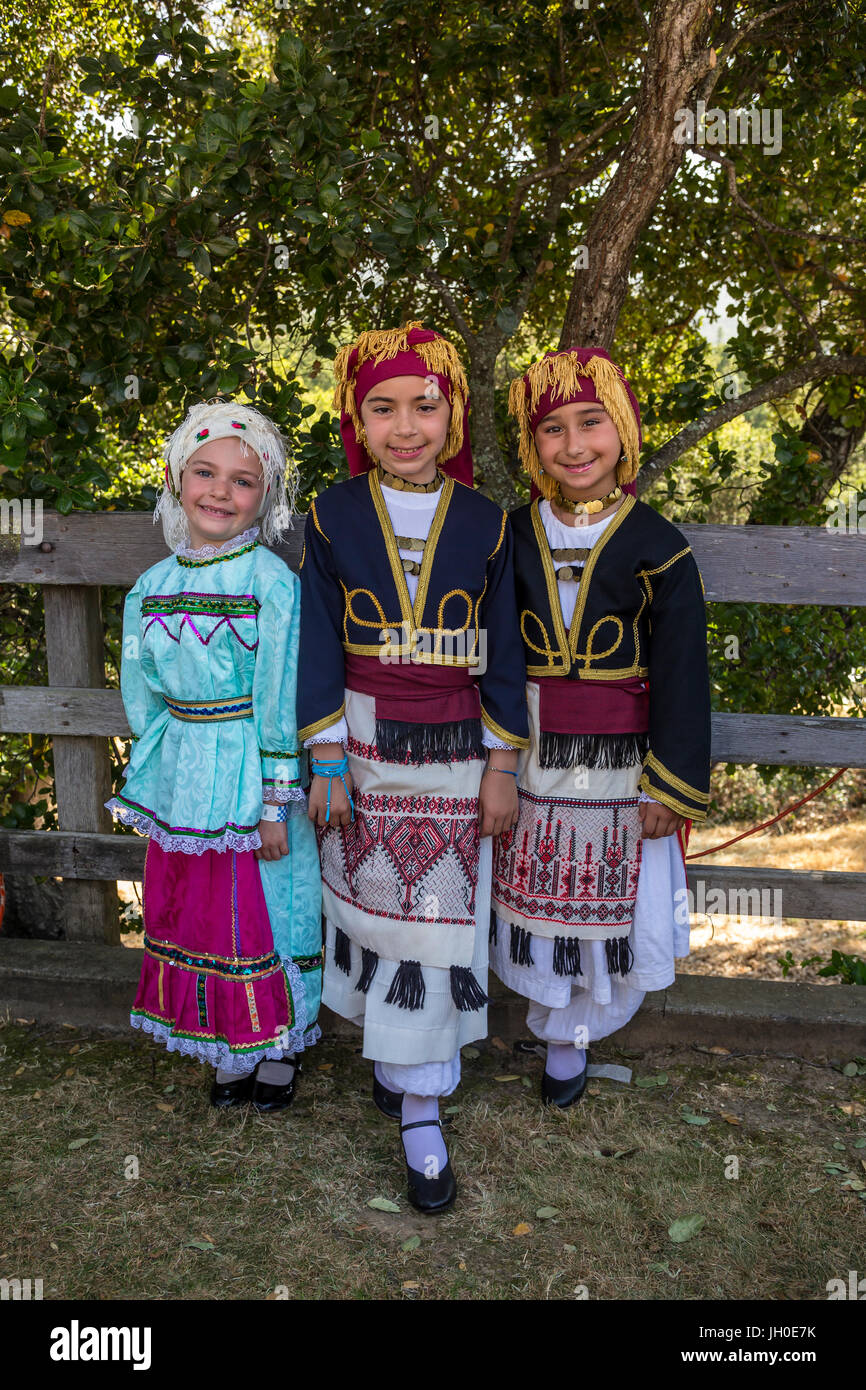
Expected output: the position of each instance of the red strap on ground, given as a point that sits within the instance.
(787, 811)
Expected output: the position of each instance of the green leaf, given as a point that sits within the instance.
(849, 1069)
(692, 1119)
(545, 1213)
(206, 1245)
(382, 1204)
(79, 1143)
(470, 1053)
(411, 1244)
(685, 1227)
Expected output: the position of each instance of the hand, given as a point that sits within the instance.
(341, 811)
(657, 820)
(275, 839)
(498, 806)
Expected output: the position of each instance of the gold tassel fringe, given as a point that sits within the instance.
(562, 375)
(382, 344)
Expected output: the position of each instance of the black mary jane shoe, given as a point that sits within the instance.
(430, 1195)
(226, 1094)
(389, 1102)
(269, 1097)
(563, 1093)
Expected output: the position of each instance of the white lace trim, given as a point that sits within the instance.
(219, 1054)
(209, 552)
(182, 844)
(296, 797)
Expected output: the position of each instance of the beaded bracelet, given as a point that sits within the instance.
(502, 769)
(331, 768)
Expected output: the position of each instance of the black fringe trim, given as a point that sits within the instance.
(620, 956)
(465, 990)
(566, 955)
(407, 987)
(493, 934)
(342, 952)
(521, 945)
(369, 966)
(592, 750)
(438, 743)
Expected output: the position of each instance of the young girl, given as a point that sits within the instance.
(232, 892)
(613, 623)
(411, 694)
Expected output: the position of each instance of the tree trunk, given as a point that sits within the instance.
(489, 461)
(676, 60)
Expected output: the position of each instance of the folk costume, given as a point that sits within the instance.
(614, 631)
(411, 657)
(232, 944)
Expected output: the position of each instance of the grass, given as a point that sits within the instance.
(235, 1205)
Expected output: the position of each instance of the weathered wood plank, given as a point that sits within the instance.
(101, 548)
(737, 738)
(752, 891)
(739, 564)
(841, 896)
(783, 740)
(82, 768)
(45, 709)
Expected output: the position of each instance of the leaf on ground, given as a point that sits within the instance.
(410, 1284)
(860, 1143)
(853, 1107)
(70, 1071)
(512, 1076)
(730, 1119)
(382, 1204)
(526, 1081)
(451, 1110)
(685, 1227)
(545, 1213)
(470, 1053)
(522, 1229)
(411, 1244)
(499, 1045)
(692, 1119)
(326, 1066)
(646, 1081)
(570, 1249)
(850, 1069)
(199, 1245)
(79, 1143)
(166, 1109)
(720, 1051)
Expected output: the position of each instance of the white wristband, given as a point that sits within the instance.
(277, 813)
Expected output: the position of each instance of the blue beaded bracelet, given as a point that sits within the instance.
(331, 768)
(502, 769)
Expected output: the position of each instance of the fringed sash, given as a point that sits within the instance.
(597, 724)
(424, 713)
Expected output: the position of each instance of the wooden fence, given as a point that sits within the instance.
(81, 552)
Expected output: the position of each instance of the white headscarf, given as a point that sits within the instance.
(225, 420)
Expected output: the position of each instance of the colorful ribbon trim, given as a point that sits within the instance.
(210, 711)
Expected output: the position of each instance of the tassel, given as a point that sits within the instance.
(521, 945)
(397, 741)
(592, 750)
(465, 990)
(566, 955)
(493, 934)
(620, 956)
(369, 966)
(342, 952)
(407, 987)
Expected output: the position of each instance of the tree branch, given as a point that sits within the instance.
(757, 217)
(817, 370)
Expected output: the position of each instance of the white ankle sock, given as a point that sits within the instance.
(223, 1077)
(425, 1148)
(276, 1073)
(564, 1061)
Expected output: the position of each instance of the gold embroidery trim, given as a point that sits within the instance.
(619, 517)
(502, 734)
(589, 655)
(652, 761)
(689, 812)
(552, 591)
(430, 550)
(310, 730)
(659, 569)
(316, 522)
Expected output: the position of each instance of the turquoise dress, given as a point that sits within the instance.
(232, 968)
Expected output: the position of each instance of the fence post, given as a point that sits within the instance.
(82, 766)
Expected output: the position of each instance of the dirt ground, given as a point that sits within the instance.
(118, 1180)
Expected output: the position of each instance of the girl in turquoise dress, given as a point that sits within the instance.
(232, 889)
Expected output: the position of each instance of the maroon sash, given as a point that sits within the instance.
(592, 707)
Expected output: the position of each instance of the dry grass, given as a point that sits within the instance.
(730, 947)
(281, 1200)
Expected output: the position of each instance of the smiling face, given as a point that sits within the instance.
(406, 426)
(221, 491)
(578, 446)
